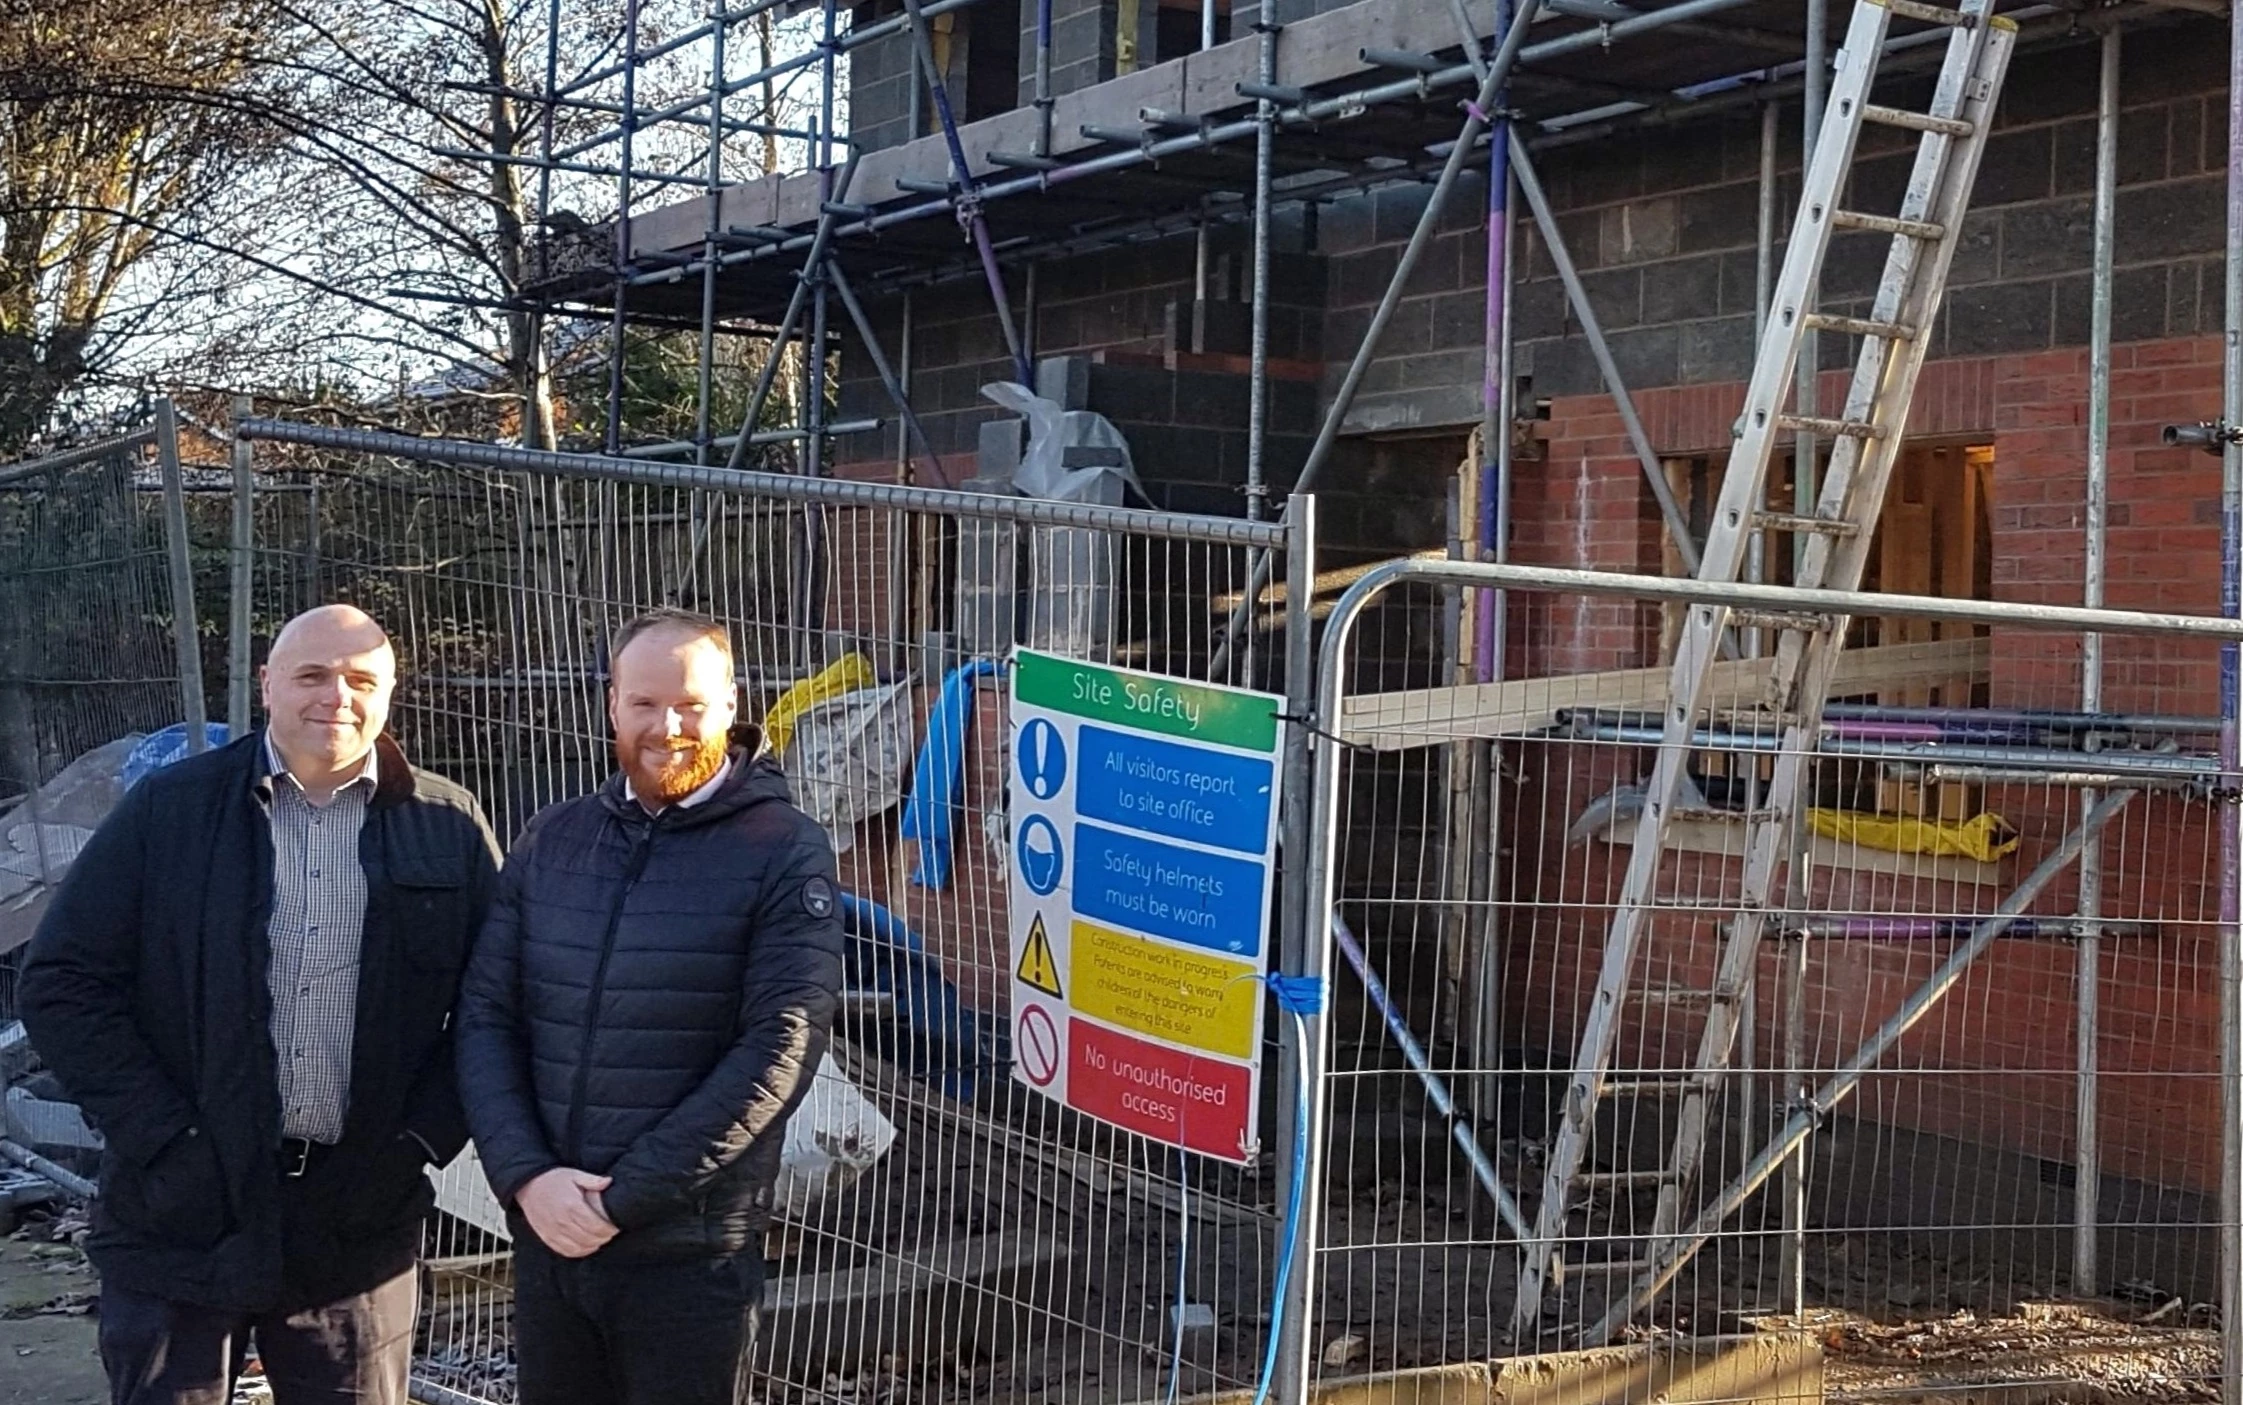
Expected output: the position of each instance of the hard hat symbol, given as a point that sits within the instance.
(1040, 859)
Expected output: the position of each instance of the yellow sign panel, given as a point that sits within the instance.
(1169, 992)
(1038, 967)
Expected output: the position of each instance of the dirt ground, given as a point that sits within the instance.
(47, 1293)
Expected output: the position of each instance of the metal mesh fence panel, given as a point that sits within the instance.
(1968, 1136)
(944, 1233)
(88, 660)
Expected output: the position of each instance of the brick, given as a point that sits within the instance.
(1538, 310)
(1722, 217)
(1681, 158)
(2190, 57)
(1601, 174)
(1740, 281)
(2138, 305)
(1855, 264)
(2170, 220)
(1637, 231)
(1460, 320)
(1345, 227)
(1997, 318)
(2055, 236)
(1361, 279)
(1878, 186)
(1682, 290)
(1396, 210)
(1616, 296)
(2017, 167)
(1715, 352)
(2058, 82)
(1978, 255)
(1647, 356)
(1209, 399)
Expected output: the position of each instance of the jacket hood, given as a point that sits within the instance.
(755, 778)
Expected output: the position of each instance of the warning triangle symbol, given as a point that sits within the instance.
(1038, 968)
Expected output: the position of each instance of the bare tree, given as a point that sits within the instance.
(121, 128)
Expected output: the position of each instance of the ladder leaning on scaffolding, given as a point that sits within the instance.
(1865, 438)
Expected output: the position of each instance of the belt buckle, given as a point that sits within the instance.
(295, 1156)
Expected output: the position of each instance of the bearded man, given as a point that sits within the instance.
(643, 1010)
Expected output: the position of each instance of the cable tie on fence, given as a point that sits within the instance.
(1302, 995)
(1308, 724)
(1479, 113)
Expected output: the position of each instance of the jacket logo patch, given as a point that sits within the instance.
(817, 898)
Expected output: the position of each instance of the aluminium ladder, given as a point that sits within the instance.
(1866, 439)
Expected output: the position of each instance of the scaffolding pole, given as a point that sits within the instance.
(2087, 1151)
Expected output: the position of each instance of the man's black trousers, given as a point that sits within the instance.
(597, 1331)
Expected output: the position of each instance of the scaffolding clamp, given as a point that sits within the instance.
(2212, 436)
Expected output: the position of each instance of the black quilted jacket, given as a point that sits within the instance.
(649, 1000)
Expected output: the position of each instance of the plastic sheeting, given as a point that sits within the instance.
(833, 1138)
(847, 758)
(1981, 837)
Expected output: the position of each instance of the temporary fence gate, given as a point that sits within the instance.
(944, 1233)
(1969, 1134)
(1994, 975)
(98, 643)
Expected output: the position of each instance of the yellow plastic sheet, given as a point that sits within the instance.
(1982, 837)
(844, 675)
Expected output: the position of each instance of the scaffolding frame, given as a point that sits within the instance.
(1490, 135)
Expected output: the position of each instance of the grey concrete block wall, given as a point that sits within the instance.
(1662, 225)
(1083, 34)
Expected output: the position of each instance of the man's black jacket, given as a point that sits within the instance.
(649, 1001)
(145, 992)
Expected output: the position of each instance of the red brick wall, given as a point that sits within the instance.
(1992, 1062)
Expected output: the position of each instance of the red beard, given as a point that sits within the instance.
(674, 779)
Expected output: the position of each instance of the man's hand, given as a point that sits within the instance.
(563, 1208)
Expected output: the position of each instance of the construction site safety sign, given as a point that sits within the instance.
(1143, 819)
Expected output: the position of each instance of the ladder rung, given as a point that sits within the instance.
(1783, 619)
(1915, 121)
(1859, 326)
(1887, 224)
(1609, 1266)
(1931, 14)
(1800, 522)
(1829, 428)
(1697, 904)
(1638, 1087)
(1708, 812)
(1677, 995)
(1622, 1179)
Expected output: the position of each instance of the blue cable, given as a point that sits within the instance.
(1298, 996)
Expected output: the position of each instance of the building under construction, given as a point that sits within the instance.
(1779, 991)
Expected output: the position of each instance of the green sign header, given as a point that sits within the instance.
(1147, 702)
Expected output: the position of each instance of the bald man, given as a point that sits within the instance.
(247, 982)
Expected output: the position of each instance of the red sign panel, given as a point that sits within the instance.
(1197, 1103)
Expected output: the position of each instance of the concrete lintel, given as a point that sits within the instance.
(1322, 51)
(1428, 408)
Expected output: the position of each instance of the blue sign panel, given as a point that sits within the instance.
(1179, 792)
(1205, 900)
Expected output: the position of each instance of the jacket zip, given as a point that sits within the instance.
(632, 868)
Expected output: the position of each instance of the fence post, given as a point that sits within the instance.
(239, 614)
(1314, 819)
(194, 707)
